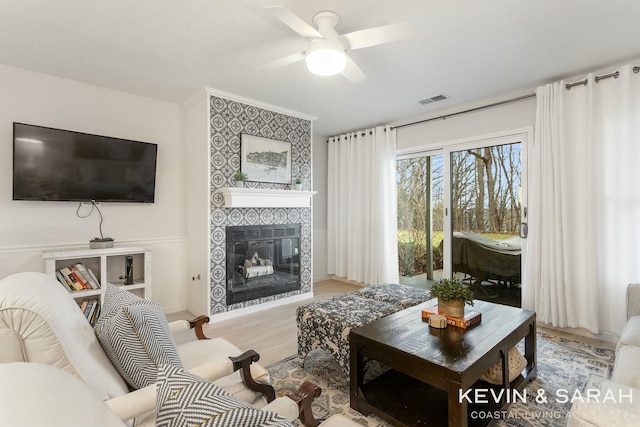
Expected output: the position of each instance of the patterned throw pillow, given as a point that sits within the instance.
(135, 335)
(183, 399)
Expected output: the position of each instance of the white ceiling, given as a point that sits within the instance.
(465, 49)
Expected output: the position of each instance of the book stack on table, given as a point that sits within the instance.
(471, 317)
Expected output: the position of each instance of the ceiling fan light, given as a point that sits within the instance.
(326, 62)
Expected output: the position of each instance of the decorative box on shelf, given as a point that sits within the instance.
(265, 198)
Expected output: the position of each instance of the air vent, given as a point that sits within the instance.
(433, 99)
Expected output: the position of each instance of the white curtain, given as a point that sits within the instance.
(361, 207)
(584, 202)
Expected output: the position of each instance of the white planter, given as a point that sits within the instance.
(101, 245)
(239, 184)
(297, 187)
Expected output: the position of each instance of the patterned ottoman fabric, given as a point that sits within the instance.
(402, 296)
(326, 324)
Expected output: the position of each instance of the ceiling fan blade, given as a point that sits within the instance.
(352, 72)
(294, 22)
(378, 35)
(284, 61)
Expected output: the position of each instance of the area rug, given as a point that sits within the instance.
(564, 366)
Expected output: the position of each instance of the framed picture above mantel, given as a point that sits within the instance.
(265, 160)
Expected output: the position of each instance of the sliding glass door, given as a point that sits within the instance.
(485, 248)
(420, 214)
(460, 213)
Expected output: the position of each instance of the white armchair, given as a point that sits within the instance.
(40, 323)
(33, 394)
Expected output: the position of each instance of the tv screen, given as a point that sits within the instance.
(61, 165)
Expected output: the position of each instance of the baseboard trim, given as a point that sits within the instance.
(345, 280)
(252, 309)
(321, 278)
(580, 333)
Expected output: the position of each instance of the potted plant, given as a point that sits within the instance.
(240, 178)
(297, 184)
(452, 296)
(101, 242)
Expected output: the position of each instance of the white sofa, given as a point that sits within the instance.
(622, 407)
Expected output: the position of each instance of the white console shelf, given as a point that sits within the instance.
(262, 198)
(108, 265)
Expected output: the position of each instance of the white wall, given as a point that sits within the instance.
(26, 228)
(319, 170)
(436, 133)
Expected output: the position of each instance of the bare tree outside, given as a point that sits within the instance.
(485, 186)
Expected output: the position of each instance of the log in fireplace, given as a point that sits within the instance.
(262, 260)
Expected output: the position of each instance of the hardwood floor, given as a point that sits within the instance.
(272, 332)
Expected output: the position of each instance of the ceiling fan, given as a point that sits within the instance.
(328, 51)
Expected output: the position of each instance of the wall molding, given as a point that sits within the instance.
(259, 104)
(85, 245)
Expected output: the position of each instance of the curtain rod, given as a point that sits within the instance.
(363, 133)
(470, 110)
(597, 79)
(636, 70)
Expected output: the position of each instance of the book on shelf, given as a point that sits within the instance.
(75, 274)
(71, 279)
(94, 279)
(68, 286)
(77, 277)
(86, 275)
(93, 311)
(471, 317)
(90, 309)
(95, 314)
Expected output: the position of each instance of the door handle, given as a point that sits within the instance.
(523, 230)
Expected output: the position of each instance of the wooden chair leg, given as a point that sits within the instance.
(304, 397)
(243, 363)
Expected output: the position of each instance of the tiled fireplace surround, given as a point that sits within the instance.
(229, 120)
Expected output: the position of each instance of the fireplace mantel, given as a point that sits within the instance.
(264, 198)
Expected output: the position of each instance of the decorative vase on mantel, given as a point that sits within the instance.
(451, 308)
(239, 178)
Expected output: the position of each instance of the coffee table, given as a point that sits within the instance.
(432, 369)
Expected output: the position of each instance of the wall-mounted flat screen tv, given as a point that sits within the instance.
(61, 165)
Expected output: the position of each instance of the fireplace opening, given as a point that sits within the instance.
(262, 260)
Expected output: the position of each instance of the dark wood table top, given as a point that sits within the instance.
(429, 367)
(451, 348)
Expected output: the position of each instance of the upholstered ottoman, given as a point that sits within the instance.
(326, 324)
(402, 296)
